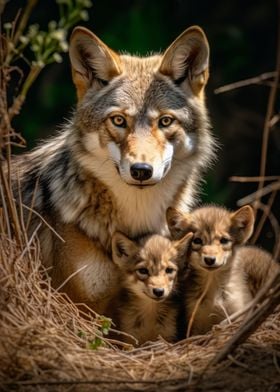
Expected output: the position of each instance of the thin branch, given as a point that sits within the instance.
(274, 120)
(247, 82)
(71, 276)
(24, 20)
(253, 179)
(96, 381)
(275, 186)
(236, 315)
(2, 6)
(266, 214)
(268, 298)
(27, 247)
(19, 100)
(5, 211)
(276, 250)
(197, 304)
(44, 220)
(11, 204)
(270, 110)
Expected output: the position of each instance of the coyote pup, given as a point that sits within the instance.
(137, 143)
(148, 304)
(224, 276)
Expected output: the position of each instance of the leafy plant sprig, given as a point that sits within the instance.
(97, 341)
(37, 47)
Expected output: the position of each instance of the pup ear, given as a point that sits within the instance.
(178, 223)
(182, 247)
(187, 58)
(123, 249)
(91, 60)
(242, 224)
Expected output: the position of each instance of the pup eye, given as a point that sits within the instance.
(224, 240)
(143, 271)
(169, 270)
(119, 121)
(197, 241)
(165, 121)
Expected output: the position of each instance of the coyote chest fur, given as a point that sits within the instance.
(137, 143)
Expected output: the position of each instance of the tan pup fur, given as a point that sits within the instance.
(148, 303)
(224, 275)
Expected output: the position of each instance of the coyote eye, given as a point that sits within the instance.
(169, 270)
(224, 240)
(118, 121)
(165, 121)
(143, 271)
(197, 241)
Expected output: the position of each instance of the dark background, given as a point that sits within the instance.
(242, 36)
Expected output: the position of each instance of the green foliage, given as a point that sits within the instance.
(106, 324)
(46, 46)
(81, 334)
(94, 344)
(36, 47)
(98, 341)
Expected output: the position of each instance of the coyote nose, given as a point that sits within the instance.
(158, 292)
(141, 171)
(210, 260)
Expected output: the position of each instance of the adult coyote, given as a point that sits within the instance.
(137, 143)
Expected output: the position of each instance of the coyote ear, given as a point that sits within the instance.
(123, 249)
(242, 224)
(182, 247)
(188, 58)
(91, 60)
(178, 223)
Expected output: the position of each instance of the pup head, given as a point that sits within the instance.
(149, 267)
(216, 232)
(136, 113)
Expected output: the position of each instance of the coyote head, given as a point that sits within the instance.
(138, 115)
(216, 232)
(149, 267)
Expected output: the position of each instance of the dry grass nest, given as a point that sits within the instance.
(45, 344)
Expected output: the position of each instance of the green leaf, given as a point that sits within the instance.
(94, 344)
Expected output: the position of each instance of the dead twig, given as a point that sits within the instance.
(275, 186)
(267, 214)
(24, 20)
(253, 179)
(270, 111)
(198, 302)
(247, 82)
(268, 298)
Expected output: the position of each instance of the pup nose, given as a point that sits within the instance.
(158, 292)
(141, 171)
(210, 260)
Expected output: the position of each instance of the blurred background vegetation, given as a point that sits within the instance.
(242, 37)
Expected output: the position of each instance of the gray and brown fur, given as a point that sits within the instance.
(148, 303)
(225, 275)
(131, 111)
